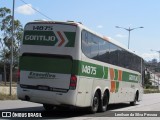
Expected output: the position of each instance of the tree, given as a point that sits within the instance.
(6, 28)
(147, 77)
(154, 61)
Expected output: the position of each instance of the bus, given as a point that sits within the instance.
(67, 64)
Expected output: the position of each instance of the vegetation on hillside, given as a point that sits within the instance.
(152, 66)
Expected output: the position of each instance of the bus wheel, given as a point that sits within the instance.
(104, 103)
(95, 103)
(135, 99)
(48, 107)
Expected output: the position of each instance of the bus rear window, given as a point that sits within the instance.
(53, 64)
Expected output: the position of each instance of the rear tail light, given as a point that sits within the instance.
(73, 82)
(18, 76)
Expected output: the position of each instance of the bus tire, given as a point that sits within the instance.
(103, 103)
(135, 100)
(95, 103)
(48, 107)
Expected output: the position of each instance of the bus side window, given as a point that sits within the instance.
(113, 54)
(94, 47)
(103, 51)
(86, 44)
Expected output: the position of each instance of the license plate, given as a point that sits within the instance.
(43, 88)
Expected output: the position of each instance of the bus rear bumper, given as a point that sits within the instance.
(47, 97)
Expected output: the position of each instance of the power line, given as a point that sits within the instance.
(36, 10)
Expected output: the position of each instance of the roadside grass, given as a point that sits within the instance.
(147, 91)
(8, 97)
(4, 94)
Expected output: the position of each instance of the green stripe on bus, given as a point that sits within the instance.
(47, 38)
(130, 77)
(67, 66)
(71, 37)
(106, 72)
(117, 86)
(92, 70)
(116, 74)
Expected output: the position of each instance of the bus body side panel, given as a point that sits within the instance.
(128, 87)
(140, 93)
(84, 92)
(90, 82)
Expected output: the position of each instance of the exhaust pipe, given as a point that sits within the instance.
(27, 98)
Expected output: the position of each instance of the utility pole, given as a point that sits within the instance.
(11, 62)
(129, 30)
(158, 83)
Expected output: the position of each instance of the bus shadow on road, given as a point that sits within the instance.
(68, 112)
(118, 106)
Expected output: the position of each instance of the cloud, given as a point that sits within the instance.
(99, 26)
(44, 19)
(121, 36)
(150, 56)
(25, 9)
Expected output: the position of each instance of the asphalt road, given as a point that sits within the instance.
(150, 102)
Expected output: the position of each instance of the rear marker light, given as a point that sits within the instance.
(73, 82)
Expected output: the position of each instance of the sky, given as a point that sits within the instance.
(101, 16)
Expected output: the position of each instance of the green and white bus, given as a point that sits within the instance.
(67, 64)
